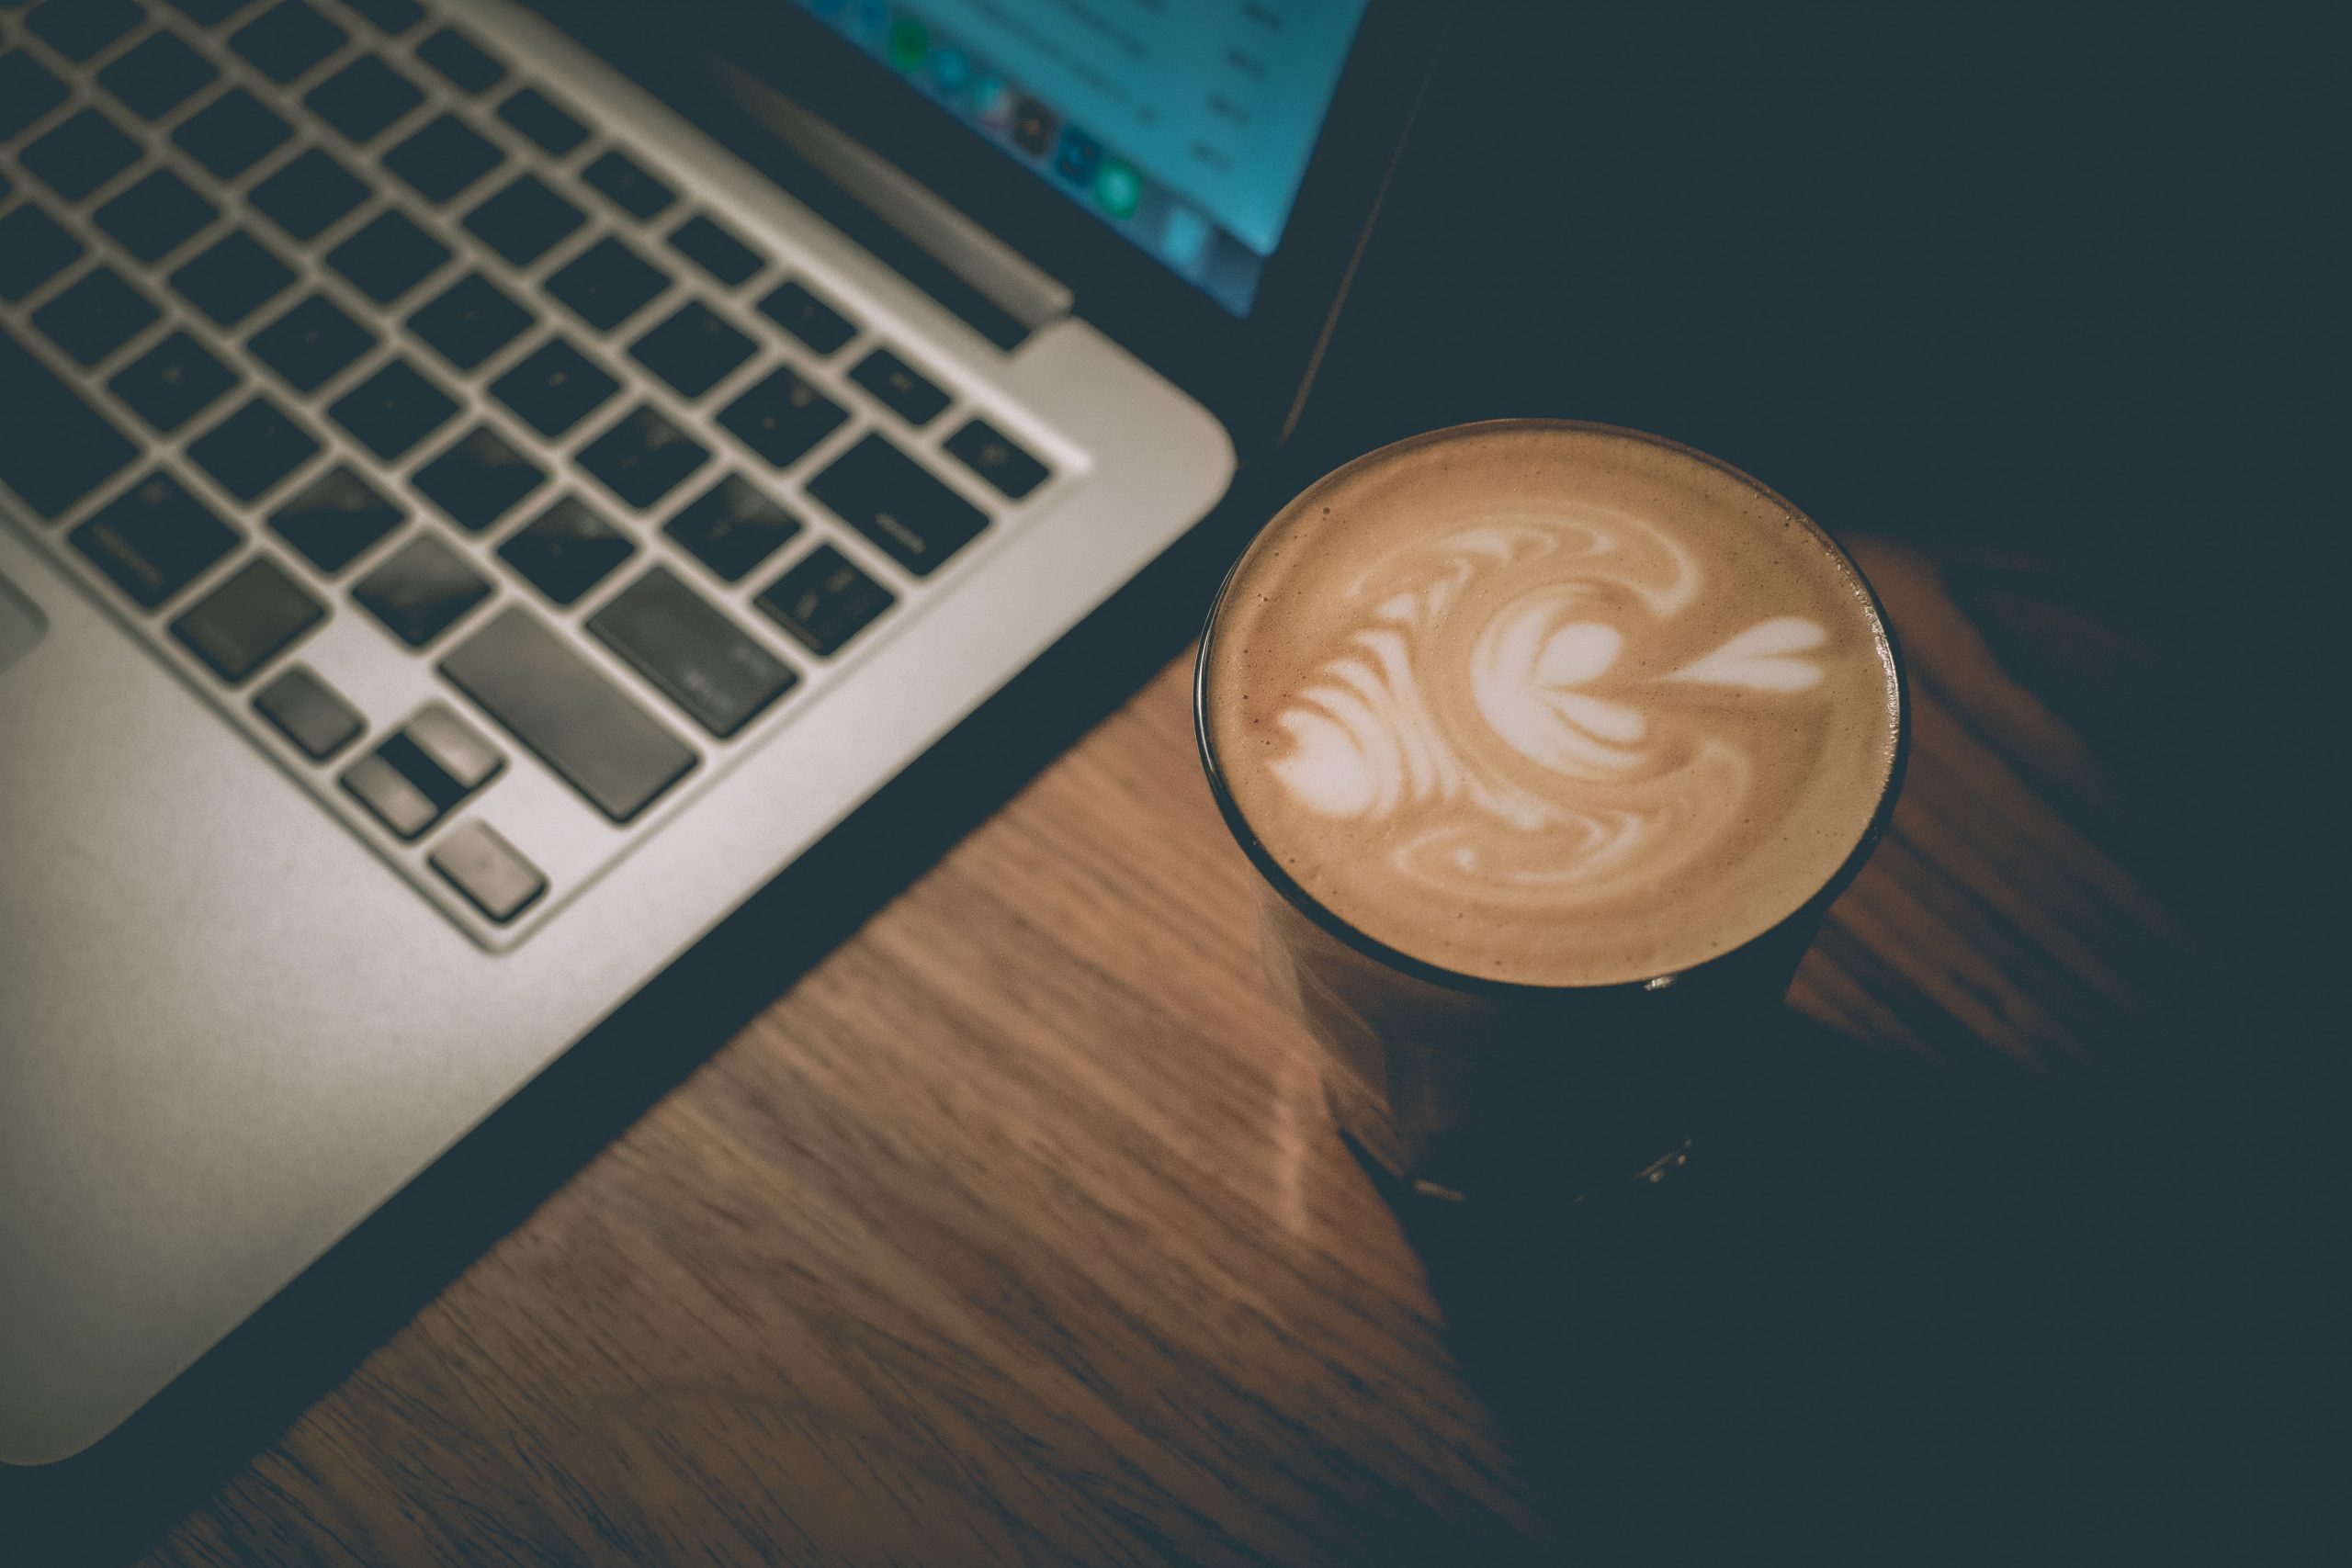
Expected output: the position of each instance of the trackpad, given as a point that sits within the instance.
(21, 623)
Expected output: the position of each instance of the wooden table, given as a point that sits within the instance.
(1016, 1232)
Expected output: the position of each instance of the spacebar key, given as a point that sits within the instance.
(568, 714)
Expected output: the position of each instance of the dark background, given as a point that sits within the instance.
(1959, 276)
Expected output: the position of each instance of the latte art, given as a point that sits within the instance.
(1558, 697)
(1545, 691)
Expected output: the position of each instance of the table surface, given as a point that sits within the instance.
(1016, 1231)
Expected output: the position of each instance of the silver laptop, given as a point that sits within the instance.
(485, 489)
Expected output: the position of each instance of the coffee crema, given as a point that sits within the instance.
(1551, 703)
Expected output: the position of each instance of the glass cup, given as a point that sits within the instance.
(1458, 1086)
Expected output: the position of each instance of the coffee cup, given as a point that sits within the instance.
(1551, 743)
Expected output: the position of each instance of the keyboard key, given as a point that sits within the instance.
(809, 317)
(233, 278)
(231, 133)
(824, 600)
(489, 871)
(309, 712)
(894, 502)
(287, 39)
(387, 793)
(393, 16)
(157, 77)
(155, 539)
(155, 216)
(479, 480)
(172, 382)
(28, 91)
(524, 221)
(566, 550)
(252, 449)
(900, 387)
(54, 447)
(422, 771)
(310, 343)
(422, 590)
(607, 283)
(334, 519)
(732, 527)
(33, 249)
(554, 387)
(783, 417)
(443, 159)
(470, 322)
(643, 458)
(387, 256)
(243, 623)
(468, 66)
(95, 315)
(393, 410)
(699, 658)
(309, 194)
(628, 185)
(364, 99)
(705, 242)
(454, 747)
(544, 120)
(567, 715)
(992, 455)
(694, 350)
(80, 154)
(79, 29)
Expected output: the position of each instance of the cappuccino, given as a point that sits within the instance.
(1548, 704)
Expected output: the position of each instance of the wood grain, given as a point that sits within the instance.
(1015, 1231)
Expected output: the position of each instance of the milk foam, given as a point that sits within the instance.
(1549, 703)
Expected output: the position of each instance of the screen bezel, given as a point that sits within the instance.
(1249, 371)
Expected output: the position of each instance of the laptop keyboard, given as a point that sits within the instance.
(321, 323)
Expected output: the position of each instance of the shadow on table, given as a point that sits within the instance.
(1892, 1318)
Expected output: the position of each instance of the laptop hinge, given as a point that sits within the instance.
(983, 262)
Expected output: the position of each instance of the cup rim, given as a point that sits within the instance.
(1371, 947)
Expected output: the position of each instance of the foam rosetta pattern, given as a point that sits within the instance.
(1524, 697)
(1542, 704)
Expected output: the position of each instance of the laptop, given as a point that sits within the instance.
(484, 489)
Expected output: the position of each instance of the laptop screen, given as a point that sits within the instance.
(1184, 128)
